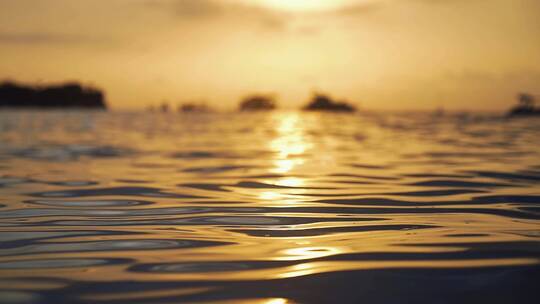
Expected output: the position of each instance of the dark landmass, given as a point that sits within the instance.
(164, 107)
(322, 102)
(258, 103)
(194, 107)
(68, 95)
(525, 107)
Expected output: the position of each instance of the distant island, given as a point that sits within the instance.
(194, 107)
(525, 107)
(322, 102)
(258, 103)
(68, 95)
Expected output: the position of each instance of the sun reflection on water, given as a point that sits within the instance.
(270, 195)
(305, 253)
(277, 301)
(290, 182)
(290, 144)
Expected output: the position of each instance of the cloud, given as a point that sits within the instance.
(222, 10)
(190, 8)
(371, 6)
(358, 9)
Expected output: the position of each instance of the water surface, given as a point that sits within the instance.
(269, 208)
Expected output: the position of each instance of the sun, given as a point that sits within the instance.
(303, 5)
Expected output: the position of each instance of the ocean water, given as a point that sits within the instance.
(268, 208)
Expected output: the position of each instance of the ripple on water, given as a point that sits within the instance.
(91, 203)
(59, 263)
(70, 152)
(258, 185)
(205, 186)
(219, 221)
(108, 245)
(16, 238)
(520, 199)
(114, 191)
(432, 193)
(206, 155)
(12, 180)
(15, 297)
(217, 169)
(201, 267)
(507, 176)
(299, 232)
(73, 183)
(459, 184)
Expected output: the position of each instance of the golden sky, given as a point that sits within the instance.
(382, 54)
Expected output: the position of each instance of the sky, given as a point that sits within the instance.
(378, 54)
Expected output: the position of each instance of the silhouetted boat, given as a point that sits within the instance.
(258, 103)
(525, 107)
(322, 102)
(69, 95)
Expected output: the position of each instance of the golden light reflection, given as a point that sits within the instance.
(270, 195)
(289, 146)
(290, 143)
(322, 267)
(290, 182)
(285, 165)
(255, 301)
(300, 270)
(282, 198)
(277, 301)
(304, 253)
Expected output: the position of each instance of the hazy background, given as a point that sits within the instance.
(383, 54)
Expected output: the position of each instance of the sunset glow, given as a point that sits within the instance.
(269, 151)
(304, 5)
(368, 51)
